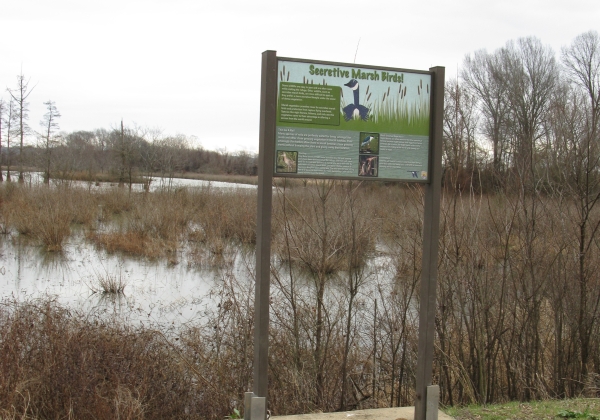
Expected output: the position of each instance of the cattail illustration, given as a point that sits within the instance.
(388, 92)
(281, 75)
(404, 90)
(288, 77)
(383, 97)
(428, 88)
(303, 79)
(421, 82)
(368, 97)
(367, 92)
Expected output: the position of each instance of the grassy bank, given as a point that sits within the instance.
(577, 408)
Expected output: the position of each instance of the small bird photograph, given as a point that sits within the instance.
(287, 161)
(369, 143)
(367, 165)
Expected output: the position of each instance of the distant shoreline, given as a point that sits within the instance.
(139, 178)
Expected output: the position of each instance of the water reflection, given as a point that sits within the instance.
(155, 292)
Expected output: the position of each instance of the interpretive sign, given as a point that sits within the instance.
(332, 120)
(352, 122)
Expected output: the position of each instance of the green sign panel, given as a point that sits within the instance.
(341, 121)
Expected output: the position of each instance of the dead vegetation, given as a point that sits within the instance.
(60, 364)
(345, 280)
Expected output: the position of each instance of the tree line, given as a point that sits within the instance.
(519, 118)
(126, 153)
(520, 300)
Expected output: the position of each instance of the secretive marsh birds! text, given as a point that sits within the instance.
(356, 74)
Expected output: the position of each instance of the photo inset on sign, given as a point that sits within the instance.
(287, 162)
(368, 165)
(369, 143)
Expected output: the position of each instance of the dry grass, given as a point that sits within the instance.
(60, 364)
(133, 243)
(152, 225)
(221, 214)
(109, 283)
(42, 214)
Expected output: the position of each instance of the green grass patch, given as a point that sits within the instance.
(578, 408)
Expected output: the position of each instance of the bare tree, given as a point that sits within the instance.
(10, 122)
(581, 129)
(483, 74)
(125, 143)
(50, 125)
(460, 124)
(20, 95)
(531, 75)
(172, 152)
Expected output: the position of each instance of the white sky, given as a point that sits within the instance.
(193, 66)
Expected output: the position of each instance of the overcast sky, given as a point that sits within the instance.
(193, 66)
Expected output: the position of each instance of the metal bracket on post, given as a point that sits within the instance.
(433, 400)
(258, 410)
(248, 405)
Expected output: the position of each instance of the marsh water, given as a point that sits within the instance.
(33, 178)
(160, 292)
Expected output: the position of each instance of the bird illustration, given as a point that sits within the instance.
(356, 109)
(289, 163)
(414, 174)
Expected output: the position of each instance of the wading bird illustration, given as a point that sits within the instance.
(289, 163)
(355, 109)
(414, 174)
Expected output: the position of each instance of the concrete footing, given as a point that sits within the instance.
(397, 413)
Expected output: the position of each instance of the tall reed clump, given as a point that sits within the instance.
(83, 205)
(42, 213)
(149, 225)
(57, 363)
(7, 192)
(229, 215)
(221, 222)
(109, 284)
(113, 201)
